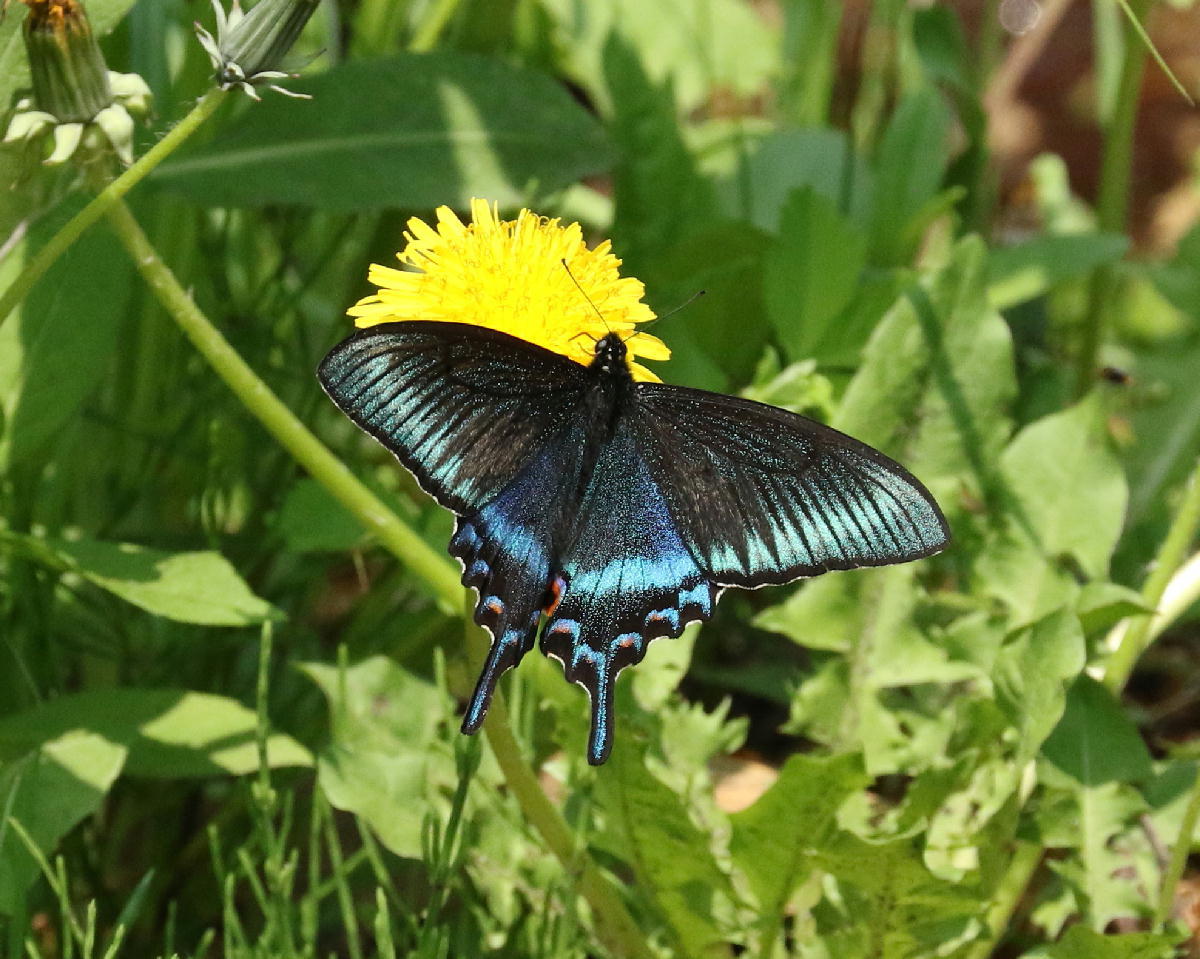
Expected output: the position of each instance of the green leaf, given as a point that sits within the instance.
(311, 520)
(908, 172)
(936, 381)
(790, 160)
(660, 198)
(416, 130)
(811, 273)
(103, 15)
(695, 48)
(1020, 273)
(1066, 506)
(1095, 742)
(647, 826)
(1094, 753)
(55, 351)
(773, 840)
(891, 905)
(1031, 675)
(48, 791)
(168, 733)
(197, 588)
(1080, 942)
(725, 261)
(1102, 605)
(380, 763)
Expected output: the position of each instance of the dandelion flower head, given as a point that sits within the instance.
(508, 275)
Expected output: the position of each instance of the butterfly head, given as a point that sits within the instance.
(610, 354)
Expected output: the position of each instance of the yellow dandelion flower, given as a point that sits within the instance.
(508, 275)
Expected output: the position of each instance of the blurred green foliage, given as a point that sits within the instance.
(947, 776)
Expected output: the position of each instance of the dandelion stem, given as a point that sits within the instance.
(106, 200)
(615, 925)
(1027, 856)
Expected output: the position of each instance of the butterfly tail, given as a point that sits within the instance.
(505, 653)
(600, 739)
(505, 596)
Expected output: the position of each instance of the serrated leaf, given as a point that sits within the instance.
(48, 791)
(659, 196)
(896, 908)
(168, 733)
(1096, 752)
(379, 763)
(773, 841)
(647, 826)
(201, 588)
(411, 131)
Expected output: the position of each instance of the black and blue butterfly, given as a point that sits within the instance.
(609, 512)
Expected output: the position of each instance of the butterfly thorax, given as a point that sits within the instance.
(609, 397)
(610, 356)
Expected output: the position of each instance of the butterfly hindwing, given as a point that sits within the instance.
(761, 495)
(624, 578)
(463, 408)
(506, 549)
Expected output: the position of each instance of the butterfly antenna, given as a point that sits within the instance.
(583, 293)
(688, 302)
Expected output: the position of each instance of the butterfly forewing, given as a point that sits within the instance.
(463, 408)
(761, 495)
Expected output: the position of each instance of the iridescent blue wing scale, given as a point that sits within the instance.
(626, 577)
(697, 491)
(462, 407)
(761, 495)
(488, 425)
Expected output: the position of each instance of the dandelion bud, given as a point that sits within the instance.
(77, 101)
(249, 47)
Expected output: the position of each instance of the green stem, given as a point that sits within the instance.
(615, 925)
(280, 421)
(1171, 554)
(106, 200)
(1112, 204)
(1007, 896)
(1180, 850)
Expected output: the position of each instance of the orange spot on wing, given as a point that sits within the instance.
(555, 593)
(494, 605)
(626, 643)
